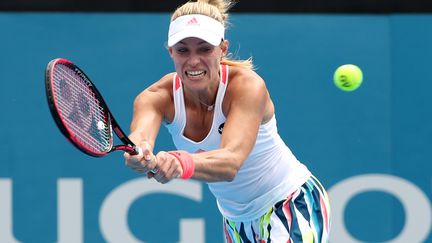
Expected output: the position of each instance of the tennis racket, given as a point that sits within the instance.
(80, 111)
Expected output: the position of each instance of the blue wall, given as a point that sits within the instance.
(371, 148)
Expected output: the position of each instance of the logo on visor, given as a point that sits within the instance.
(193, 21)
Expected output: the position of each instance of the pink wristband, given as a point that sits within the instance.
(186, 161)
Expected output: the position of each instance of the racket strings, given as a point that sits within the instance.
(80, 109)
(80, 89)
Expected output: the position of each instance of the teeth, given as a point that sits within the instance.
(195, 73)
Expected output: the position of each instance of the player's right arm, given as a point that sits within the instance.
(150, 108)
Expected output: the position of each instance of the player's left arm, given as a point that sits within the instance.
(247, 105)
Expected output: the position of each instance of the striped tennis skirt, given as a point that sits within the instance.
(304, 216)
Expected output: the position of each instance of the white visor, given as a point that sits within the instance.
(196, 25)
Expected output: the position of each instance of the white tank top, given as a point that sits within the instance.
(269, 174)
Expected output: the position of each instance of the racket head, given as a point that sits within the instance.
(78, 108)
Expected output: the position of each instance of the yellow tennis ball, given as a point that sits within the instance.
(348, 77)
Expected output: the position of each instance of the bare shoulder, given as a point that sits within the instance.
(246, 82)
(241, 76)
(157, 96)
(162, 87)
(248, 90)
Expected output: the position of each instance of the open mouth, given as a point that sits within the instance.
(195, 74)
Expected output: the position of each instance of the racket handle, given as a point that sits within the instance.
(139, 151)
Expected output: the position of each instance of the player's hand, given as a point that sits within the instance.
(168, 167)
(144, 162)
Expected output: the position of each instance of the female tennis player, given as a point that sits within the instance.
(222, 121)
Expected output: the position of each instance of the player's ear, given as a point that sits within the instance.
(170, 51)
(224, 47)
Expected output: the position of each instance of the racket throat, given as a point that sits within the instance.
(127, 148)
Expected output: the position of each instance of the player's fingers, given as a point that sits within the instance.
(143, 162)
(177, 169)
(150, 164)
(169, 168)
(147, 150)
(159, 175)
(133, 159)
(137, 155)
(129, 163)
(147, 155)
(161, 179)
(163, 161)
(161, 167)
(140, 171)
(132, 162)
(173, 172)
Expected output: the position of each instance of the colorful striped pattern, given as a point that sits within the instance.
(304, 216)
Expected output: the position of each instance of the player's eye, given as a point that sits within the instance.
(182, 50)
(205, 49)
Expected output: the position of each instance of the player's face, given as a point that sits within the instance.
(197, 62)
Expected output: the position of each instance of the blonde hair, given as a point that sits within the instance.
(218, 10)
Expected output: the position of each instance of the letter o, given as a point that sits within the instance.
(417, 206)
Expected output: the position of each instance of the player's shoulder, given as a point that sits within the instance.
(245, 78)
(162, 88)
(164, 82)
(163, 85)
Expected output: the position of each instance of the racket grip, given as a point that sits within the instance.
(137, 151)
